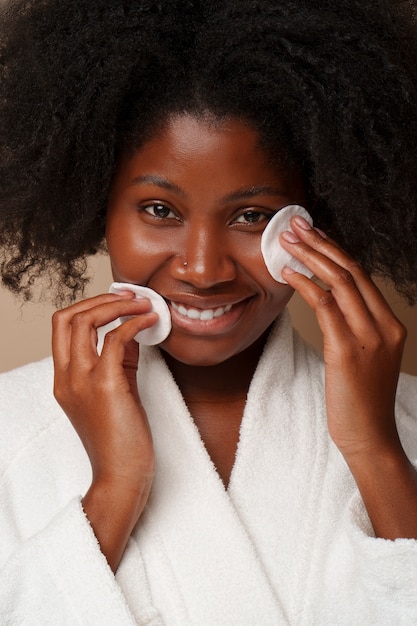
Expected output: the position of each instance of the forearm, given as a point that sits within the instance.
(387, 482)
(113, 511)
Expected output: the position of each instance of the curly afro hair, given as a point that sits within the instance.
(333, 83)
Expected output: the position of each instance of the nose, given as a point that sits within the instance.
(206, 259)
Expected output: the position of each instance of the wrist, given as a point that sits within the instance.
(387, 482)
(121, 494)
(113, 508)
(385, 456)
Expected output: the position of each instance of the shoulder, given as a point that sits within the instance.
(406, 411)
(27, 406)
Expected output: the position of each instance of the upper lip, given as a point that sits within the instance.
(196, 302)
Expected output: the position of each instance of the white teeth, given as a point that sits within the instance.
(201, 314)
(207, 315)
(194, 314)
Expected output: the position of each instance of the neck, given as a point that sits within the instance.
(216, 397)
(229, 379)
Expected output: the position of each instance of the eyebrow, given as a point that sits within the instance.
(152, 179)
(251, 192)
(240, 194)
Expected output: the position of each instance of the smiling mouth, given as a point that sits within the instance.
(201, 314)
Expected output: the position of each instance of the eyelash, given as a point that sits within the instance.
(154, 205)
(261, 216)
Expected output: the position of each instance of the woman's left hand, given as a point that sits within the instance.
(363, 342)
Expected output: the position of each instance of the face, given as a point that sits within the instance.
(185, 217)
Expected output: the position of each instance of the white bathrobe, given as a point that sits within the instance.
(289, 542)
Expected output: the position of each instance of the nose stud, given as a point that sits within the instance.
(185, 263)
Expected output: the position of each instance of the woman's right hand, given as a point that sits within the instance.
(99, 395)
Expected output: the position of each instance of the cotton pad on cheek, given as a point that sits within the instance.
(275, 257)
(161, 329)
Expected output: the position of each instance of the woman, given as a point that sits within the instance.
(231, 475)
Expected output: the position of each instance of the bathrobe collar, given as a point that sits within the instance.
(221, 547)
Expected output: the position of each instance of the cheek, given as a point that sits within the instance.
(276, 295)
(133, 254)
(281, 296)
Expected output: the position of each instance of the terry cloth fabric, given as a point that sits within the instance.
(289, 542)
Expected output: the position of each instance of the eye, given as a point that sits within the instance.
(158, 210)
(251, 217)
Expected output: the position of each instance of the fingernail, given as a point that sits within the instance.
(301, 222)
(290, 237)
(288, 270)
(125, 293)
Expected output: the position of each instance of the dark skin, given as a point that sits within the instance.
(203, 219)
(216, 398)
(186, 213)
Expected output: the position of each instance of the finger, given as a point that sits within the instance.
(343, 288)
(120, 352)
(330, 318)
(358, 337)
(328, 248)
(61, 325)
(75, 328)
(83, 348)
(351, 272)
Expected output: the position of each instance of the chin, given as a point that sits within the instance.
(209, 353)
(196, 359)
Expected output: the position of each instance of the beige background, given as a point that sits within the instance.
(25, 333)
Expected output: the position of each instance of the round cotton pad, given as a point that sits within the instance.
(159, 331)
(275, 257)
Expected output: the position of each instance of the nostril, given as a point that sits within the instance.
(203, 262)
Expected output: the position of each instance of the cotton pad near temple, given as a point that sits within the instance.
(275, 257)
(159, 331)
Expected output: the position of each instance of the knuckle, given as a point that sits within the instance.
(74, 389)
(344, 277)
(78, 320)
(60, 392)
(57, 316)
(111, 338)
(316, 239)
(398, 333)
(58, 395)
(354, 267)
(325, 300)
(385, 341)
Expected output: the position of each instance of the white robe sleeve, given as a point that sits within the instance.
(52, 571)
(59, 576)
(385, 571)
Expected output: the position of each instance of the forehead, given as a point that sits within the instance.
(199, 135)
(203, 150)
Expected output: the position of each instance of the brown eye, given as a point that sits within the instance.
(159, 210)
(250, 217)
